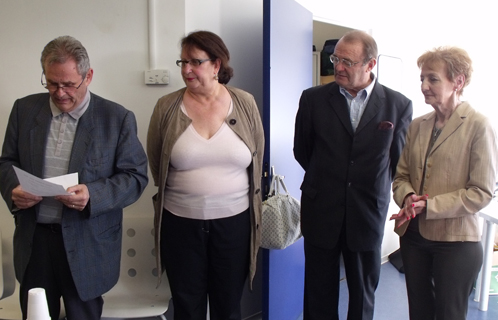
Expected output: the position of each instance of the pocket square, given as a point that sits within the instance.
(385, 125)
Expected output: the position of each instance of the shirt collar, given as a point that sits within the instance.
(363, 93)
(76, 113)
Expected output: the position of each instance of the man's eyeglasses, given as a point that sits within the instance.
(347, 63)
(192, 62)
(52, 87)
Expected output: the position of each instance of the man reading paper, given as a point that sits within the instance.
(70, 245)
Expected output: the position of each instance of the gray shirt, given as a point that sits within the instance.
(58, 153)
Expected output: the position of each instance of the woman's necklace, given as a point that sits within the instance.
(436, 131)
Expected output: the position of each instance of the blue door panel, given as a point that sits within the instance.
(287, 62)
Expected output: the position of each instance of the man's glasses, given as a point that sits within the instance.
(193, 62)
(52, 87)
(347, 63)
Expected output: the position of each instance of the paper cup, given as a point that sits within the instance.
(37, 305)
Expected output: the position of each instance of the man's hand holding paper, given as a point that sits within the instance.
(23, 199)
(78, 199)
(32, 189)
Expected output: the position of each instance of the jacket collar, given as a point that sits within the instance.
(458, 117)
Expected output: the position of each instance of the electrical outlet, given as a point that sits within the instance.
(156, 77)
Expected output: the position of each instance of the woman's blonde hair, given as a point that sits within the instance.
(456, 61)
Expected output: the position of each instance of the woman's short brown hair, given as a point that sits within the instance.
(212, 44)
(456, 61)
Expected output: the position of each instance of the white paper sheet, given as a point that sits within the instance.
(46, 187)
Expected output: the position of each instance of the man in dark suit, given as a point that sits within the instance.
(348, 138)
(70, 245)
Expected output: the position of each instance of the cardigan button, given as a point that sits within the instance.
(232, 121)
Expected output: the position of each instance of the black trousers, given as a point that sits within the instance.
(206, 259)
(439, 276)
(321, 281)
(48, 268)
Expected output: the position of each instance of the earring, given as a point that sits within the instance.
(216, 77)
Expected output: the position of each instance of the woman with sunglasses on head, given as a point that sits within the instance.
(205, 147)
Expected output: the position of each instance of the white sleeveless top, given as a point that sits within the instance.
(208, 178)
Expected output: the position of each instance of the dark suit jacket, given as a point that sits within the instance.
(111, 162)
(348, 174)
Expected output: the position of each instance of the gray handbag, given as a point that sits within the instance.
(280, 222)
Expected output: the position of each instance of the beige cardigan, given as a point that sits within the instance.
(460, 175)
(168, 122)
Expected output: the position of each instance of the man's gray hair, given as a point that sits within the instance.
(369, 45)
(65, 48)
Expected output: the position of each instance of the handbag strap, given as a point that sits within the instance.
(277, 181)
(280, 180)
(273, 186)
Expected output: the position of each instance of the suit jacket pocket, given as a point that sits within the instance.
(106, 225)
(95, 162)
(96, 167)
(111, 232)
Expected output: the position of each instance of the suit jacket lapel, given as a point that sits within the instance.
(340, 106)
(374, 103)
(455, 121)
(425, 135)
(38, 137)
(82, 139)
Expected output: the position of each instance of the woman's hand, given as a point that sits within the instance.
(414, 205)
